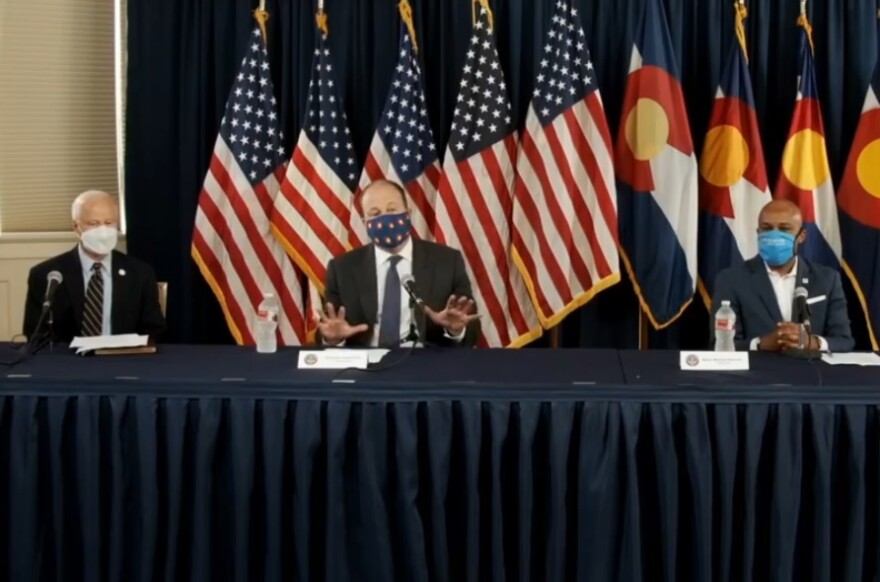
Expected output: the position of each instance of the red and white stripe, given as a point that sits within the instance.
(565, 209)
(422, 190)
(237, 253)
(311, 215)
(474, 210)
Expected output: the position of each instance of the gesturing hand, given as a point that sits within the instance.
(334, 328)
(457, 314)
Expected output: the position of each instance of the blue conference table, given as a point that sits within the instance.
(217, 463)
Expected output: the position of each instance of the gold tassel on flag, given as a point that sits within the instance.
(407, 18)
(483, 4)
(321, 19)
(805, 23)
(262, 17)
(741, 14)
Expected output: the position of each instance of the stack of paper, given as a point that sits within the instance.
(852, 359)
(102, 342)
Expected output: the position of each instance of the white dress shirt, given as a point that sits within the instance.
(107, 271)
(783, 288)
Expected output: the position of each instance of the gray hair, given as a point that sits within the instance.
(82, 199)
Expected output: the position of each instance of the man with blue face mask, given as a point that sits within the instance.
(762, 290)
(103, 291)
(367, 303)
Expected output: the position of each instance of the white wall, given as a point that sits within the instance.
(18, 253)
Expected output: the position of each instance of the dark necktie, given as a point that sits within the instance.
(389, 324)
(93, 310)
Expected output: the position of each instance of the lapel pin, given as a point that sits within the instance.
(121, 272)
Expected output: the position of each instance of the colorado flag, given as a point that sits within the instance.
(733, 177)
(805, 177)
(860, 205)
(657, 177)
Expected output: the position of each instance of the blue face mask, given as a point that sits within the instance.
(776, 247)
(389, 230)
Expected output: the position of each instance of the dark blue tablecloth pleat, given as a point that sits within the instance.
(145, 486)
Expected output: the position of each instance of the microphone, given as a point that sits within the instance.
(409, 284)
(53, 280)
(801, 305)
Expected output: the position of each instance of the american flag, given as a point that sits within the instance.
(403, 147)
(232, 243)
(565, 203)
(475, 202)
(311, 216)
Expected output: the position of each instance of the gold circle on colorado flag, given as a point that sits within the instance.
(725, 156)
(868, 168)
(647, 129)
(804, 161)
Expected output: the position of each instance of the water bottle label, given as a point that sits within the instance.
(266, 315)
(725, 324)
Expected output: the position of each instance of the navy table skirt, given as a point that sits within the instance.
(215, 463)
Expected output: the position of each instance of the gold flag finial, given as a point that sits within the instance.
(741, 14)
(262, 17)
(407, 16)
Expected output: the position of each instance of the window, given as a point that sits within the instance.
(62, 65)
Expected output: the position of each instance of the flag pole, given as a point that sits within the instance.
(643, 330)
(555, 335)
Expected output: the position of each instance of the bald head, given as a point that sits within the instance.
(94, 208)
(383, 197)
(781, 215)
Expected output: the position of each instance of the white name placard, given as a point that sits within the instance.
(714, 361)
(333, 359)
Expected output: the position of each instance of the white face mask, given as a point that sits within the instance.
(100, 240)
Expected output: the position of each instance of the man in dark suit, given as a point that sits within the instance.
(761, 290)
(103, 291)
(367, 304)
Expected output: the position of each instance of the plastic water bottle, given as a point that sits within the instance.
(266, 324)
(725, 328)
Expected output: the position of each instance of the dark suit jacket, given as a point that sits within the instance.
(135, 307)
(438, 271)
(751, 296)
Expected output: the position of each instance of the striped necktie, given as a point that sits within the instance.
(93, 311)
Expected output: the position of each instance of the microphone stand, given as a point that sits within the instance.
(37, 340)
(42, 336)
(51, 325)
(413, 335)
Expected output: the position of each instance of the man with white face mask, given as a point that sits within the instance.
(103, 291)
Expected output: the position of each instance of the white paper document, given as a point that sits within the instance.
(100, 342)
(333, 359)
(375, 355)
(714, 361)
(852, 359)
